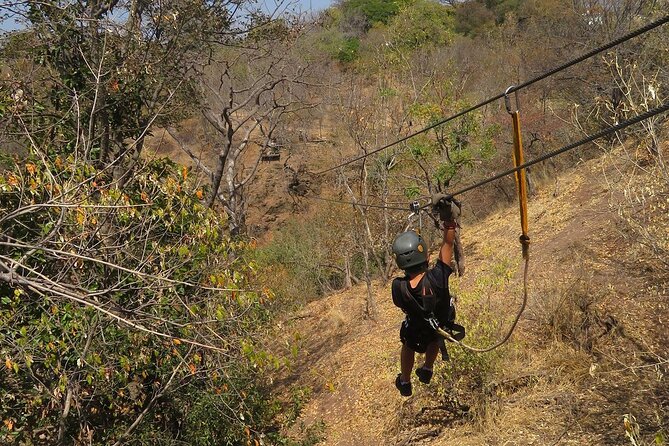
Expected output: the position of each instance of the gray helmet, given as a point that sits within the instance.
(409, 250)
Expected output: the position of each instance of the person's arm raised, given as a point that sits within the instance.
(448, 212)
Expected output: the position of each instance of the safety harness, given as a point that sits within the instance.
(456, 331)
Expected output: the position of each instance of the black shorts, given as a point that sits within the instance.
(417, 336)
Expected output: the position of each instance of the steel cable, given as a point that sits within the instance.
(649, 114)
(613, 129)
(353, 203)
(607, 131)
(527, 83)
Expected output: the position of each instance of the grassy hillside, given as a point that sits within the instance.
(172, 186)
(586, 365)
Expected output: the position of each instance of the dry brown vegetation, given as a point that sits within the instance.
(589, 353)
(256, 115)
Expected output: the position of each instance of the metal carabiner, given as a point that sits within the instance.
(507, 100)
(414, 207)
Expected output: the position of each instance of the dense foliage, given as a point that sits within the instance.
(128, 314)
(123, 311)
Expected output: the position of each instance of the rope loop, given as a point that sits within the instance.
(501, 342)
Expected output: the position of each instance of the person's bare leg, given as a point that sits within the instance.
(406, 363)
(431, 355)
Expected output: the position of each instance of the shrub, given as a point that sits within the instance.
(122, 313)
(374, 11)
(303, 261)
(348, 49)
(422, 22)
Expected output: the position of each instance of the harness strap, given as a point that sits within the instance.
(456, 331)
(409, 297)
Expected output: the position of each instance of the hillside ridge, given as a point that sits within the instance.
(550, 385)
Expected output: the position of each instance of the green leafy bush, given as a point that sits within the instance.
(302, 261)
(422, 22)
(374, 11)
(348, 49)
(123, 312)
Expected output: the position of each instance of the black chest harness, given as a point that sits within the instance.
(426, 310)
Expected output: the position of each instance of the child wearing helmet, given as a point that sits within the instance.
(422, 294)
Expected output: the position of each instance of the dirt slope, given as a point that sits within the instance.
(591, 346)
(277, 190)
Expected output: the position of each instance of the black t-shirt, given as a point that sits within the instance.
(435, 281)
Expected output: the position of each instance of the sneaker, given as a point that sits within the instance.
(404, 388)
(424, 375)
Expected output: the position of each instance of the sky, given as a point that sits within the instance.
(316, 5)
(299, 5)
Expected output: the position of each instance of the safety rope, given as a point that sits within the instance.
(521, 186)
(519, 169)
(520, 86)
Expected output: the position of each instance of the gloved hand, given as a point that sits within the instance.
(432, 322)
(446, 207)
(438, 199)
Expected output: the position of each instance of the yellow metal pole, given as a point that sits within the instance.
(521, 176)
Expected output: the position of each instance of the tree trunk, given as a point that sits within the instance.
(127, 170)
(370, 307)
(347, 272)
(234, 201)
(218, 176)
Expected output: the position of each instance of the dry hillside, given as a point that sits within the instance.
(274, 194)
(589, 353)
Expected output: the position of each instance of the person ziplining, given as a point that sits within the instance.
(423, 295)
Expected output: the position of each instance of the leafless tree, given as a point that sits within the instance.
(248, 91)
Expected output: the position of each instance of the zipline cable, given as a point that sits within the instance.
(353, 203)
(649, 114)
(527, 83)
(622, 125)
(607, 131)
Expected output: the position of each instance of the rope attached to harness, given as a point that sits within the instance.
(521, 186)
(451, 338)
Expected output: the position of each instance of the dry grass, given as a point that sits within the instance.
(590, 348)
